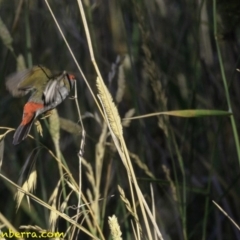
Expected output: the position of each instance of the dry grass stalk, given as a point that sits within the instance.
(89, 172)
(72, 186)
(114, 68)
(89, 195)
(53, 200)
(117, 67)
(5, 36)
(126, 122)
(172, 185)
(20, 63)
(53, 218)
(29, 185)
(100, 151)
(134, 230)
(47, 206)
(64, 204)
(113, 120)
(86, 202)
(31, 227)
(153, 208)
(70, 126)
(1, 149)
(119, 144)
(110, 108)
(152, 70)
(141, 165)
(121, 84)
(129, 208)
(54, 126)
(5, 223)
(54, 129)
(115, 228)
(123, 152)
(232, 221)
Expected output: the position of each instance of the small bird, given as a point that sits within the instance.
(47, 92)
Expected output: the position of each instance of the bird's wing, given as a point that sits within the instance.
(56, 89)
(20, 83)
(50, 91)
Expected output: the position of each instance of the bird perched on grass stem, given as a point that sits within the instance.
(47, 92)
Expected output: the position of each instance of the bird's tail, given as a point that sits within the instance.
(22, 132)
(30, 112)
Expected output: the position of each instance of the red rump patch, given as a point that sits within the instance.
(29, 111)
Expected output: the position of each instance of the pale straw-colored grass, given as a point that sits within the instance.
(128, 115)
(5, 36)
(130, 209)
(47, 206)
(141, 165)
(114, 228)
(121, 84)
(224, 212)
(53, 202)
(29, 186)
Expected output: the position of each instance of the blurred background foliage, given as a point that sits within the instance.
(168, 62)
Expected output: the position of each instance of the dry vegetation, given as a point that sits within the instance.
(150, 139)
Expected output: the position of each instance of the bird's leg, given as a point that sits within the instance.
(39, 128)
